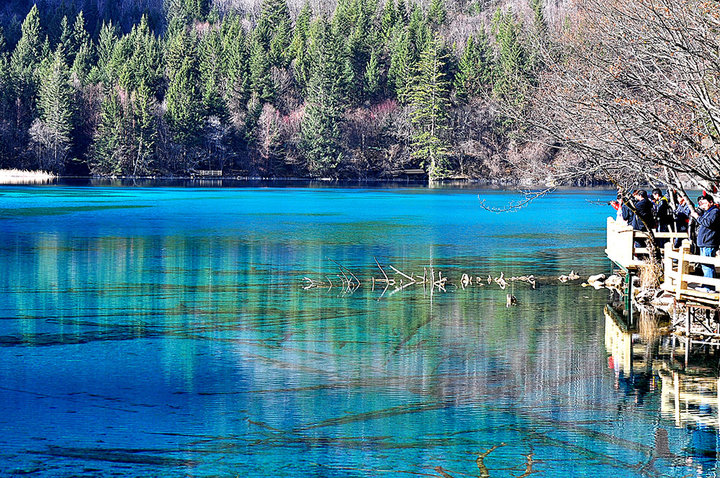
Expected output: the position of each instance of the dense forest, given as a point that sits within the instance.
(357, 89)
(531, 91)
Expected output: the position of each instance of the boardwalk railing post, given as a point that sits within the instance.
(667, 266)
(683, 268)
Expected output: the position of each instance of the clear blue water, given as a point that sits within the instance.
(168, 332)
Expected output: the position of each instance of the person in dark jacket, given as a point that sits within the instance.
(681, 215)
(643, 218)
(661, 211)
(708, 235)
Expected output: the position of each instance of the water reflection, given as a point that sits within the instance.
(647, 365)
(172, 336)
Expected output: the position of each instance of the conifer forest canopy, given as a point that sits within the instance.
(532, 91)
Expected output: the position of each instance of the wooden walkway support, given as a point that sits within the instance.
(627, 250)
(696, 311)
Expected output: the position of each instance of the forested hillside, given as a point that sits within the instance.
(356, 89)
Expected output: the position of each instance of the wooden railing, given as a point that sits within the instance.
(677, 268)
(622, 239)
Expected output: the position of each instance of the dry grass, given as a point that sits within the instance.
(18, 176)
(650, 274)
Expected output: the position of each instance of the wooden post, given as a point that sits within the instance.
(667, 266)
(628, 297)
(683, 268)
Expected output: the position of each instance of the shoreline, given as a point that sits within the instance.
(15, 176)
(21, 176)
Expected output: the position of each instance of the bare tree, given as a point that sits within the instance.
(632, 88)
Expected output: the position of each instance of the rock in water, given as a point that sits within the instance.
(596, 279)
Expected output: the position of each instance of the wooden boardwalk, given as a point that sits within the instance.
(695, 311)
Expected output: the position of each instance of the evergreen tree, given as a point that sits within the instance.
(137, 58)
(234, 63)
(55, 103)
(144, 130)
(402, 64)
(108, 145)
(320, 129)
(273, 32)
(373, 76)
(182, 12)
(101, 70)
(475, 67)
(210, 51)
(301, 61)
(26, 58)
(539, 21)
(430, 103)
(389, 19)
(261, 83)
(66, 38)
(82, 57)
(181, 43)
(437, 15)
(184, 113)
(512, 68)
(3, 44)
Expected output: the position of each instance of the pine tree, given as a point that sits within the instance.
(137, 58)
(430, 103)
(372, 75)
(512, 75)
(3, 44)
(184, 113)
(27, 56)
(101, 71)
(261, 83)
(389, 19)
(108, 142)
(144, 131)
(437, 15)
(234, 65)
(210, 52)
(320, 129)
(474, 68)
(301, 61)
(66, 38)
(55, 103)
(273, 32)
(181, 42)
(83, 54)
(539, 19)
(402, 64)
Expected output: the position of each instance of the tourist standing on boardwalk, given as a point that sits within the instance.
(708, 235)
(682, 218)
(624, 214)
(643, 217)
(661, 211)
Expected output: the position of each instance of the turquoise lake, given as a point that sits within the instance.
(173, 331)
